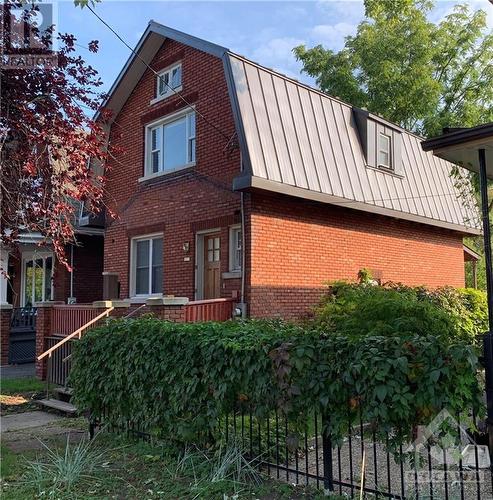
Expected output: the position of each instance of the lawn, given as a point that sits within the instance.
(20, 386)
(118, 467)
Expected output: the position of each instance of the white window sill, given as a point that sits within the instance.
(386, 170)
(165, 96)
(231, 275)
(165, 172)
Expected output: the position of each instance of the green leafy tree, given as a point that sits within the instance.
(421, 75)
(416, 73)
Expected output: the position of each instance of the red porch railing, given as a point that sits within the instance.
(209, 310)
(66, 319)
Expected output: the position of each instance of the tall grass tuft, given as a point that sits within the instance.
(61, 470)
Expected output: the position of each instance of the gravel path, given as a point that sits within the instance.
(399, 480)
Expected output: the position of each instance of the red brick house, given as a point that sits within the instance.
(238, 181)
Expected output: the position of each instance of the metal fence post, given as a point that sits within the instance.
(488, 338)
(327, 454)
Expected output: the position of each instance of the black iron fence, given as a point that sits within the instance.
(362, 464)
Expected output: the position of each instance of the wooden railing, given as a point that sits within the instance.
(58, 367)
(65, 319)
(76, 334)
(209, 310)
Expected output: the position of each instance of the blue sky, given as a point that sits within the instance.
(263, 31)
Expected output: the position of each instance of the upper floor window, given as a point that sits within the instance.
(235, 248)
(384, 150)
(170, 144)
(169, 81)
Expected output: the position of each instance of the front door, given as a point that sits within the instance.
(212, 266)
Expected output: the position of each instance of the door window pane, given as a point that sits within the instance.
(28, 284)
(216, 249)
(38, 280)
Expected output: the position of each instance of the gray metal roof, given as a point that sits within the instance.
(302, 142)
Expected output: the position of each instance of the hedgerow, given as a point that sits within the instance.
(180, 379)
(363, 308)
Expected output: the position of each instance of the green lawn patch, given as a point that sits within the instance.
(21, 385)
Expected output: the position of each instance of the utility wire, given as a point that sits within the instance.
(190, 105)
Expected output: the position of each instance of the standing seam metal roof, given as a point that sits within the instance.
(305, 140)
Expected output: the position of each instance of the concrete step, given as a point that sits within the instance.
(56, 404)
(63, 393)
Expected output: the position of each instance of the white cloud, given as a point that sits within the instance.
(342, 10)
(332, 35)
(277, 53)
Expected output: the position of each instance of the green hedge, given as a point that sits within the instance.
(179, 379)
(366, 309)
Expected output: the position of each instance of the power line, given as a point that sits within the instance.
(190, 105)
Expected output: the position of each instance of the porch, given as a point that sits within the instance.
(58, 326)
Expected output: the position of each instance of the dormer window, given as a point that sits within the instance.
(384, 150)
(168, 81)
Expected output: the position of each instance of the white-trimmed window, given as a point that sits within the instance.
(384, 150)
(170, 144)
(235, 248)
(37, 278)
(146, 273)
(168, 81)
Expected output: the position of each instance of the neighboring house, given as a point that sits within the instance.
(238, 181)
(34, 274)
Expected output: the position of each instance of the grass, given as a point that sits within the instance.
(21, 385)
(136, 470)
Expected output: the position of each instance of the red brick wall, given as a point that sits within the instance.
(298, 245)
(88, 269)
(4, 335)
(177, 204)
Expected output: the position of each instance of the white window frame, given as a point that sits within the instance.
(233, 230)
(168, 91)
(189, 154)
(388, 152)
(133, 268)
(32, 256)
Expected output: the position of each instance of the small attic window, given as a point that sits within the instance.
(168, 81)
(384, 150)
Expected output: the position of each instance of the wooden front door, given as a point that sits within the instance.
(212, 266)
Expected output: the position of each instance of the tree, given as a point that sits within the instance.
(48, 144)
(400, 65)
(421, 75)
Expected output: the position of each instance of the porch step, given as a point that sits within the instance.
(63, 392)
(56, 404)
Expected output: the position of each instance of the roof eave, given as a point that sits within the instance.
(249, 182)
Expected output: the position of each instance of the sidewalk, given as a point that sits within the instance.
(17, 371)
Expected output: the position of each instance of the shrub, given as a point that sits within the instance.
(180, 379)
(366, 309)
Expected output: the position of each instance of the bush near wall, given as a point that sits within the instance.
(180, 379)
(367, 309)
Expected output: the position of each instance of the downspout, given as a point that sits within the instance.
(243, 243)
(71, 271)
